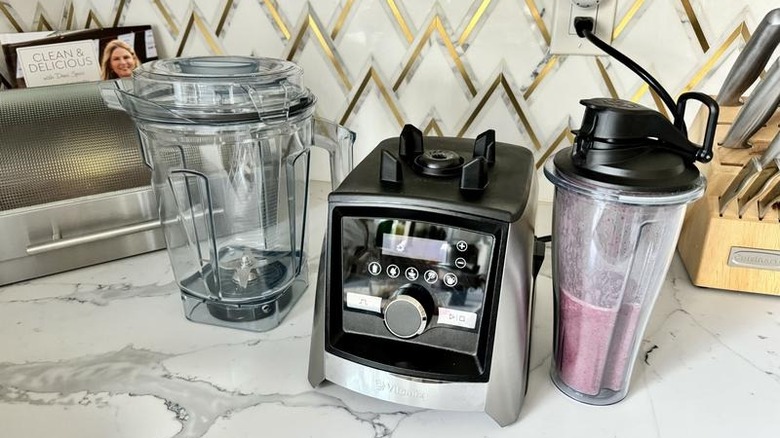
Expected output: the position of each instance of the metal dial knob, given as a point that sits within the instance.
(405, 317)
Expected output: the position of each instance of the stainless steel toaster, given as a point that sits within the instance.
(74, 190)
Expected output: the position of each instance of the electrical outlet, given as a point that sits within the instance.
(564, 38)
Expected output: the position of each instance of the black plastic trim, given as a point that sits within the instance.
(377, 353)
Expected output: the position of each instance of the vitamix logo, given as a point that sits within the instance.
(754, 258)
(391, 388)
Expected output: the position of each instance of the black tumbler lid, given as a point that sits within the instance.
(640, 169)
(625, 146)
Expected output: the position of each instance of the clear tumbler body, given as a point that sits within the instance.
(611, 251)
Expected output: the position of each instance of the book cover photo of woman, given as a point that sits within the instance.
(118, 60)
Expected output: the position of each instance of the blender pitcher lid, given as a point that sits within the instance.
(220, 89)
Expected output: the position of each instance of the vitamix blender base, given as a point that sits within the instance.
(425, 289)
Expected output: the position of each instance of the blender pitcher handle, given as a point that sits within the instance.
(210, 220)
(339, 142)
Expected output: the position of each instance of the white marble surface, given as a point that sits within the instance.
(105, 351)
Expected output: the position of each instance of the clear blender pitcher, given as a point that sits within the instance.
(228, 140)
(620, 197)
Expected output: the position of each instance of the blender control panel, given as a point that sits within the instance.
(414, 280)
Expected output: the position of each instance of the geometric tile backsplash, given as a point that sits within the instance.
(451, 67)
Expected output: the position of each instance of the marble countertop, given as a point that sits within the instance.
(105, 351)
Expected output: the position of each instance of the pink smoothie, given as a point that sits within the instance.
(586, 362)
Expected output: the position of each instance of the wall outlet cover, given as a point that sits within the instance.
(564, 38)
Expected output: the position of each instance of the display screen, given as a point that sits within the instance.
(381, 255)
(415, 247)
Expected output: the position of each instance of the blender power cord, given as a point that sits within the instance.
(584, 28)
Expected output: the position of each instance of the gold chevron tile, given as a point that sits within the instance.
(605, 77)
(548, 66)
(341, 19)
(9, 13)
(69, 14)
(173, 28)
(740, 30)
(186, 35)
(520, 113)
(694, 20)
(435, 32)
(531, 4)
(399, 19)
(92, 18)
(206, 32)
(432, 126)
(687, 7)
(277, 18)
(415, 55)
(329, 51)
(481, 104)
(325, 43)
(298, 40)
(473, 22)
(502, 81)
(43, 24)
(623, 23)
(198, 22)
(372, 75)
(119, 9)
(479, 13)
(564, 135)
(436, 25)
(640, 92)
(223, 17)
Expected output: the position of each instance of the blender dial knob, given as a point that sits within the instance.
(405, 317)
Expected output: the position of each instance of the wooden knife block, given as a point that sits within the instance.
(708, 237)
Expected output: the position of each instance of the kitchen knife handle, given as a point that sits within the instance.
(771, 152)
(752, 59)
(758, 109)
(704, 153)
(770, 199)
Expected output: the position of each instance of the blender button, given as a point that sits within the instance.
(364, 302)
(431, 276)
(450, 279)
(457, 318)
(462, 245)
(374, 268)
(393, 271)
(411, 273)
(460, 262)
